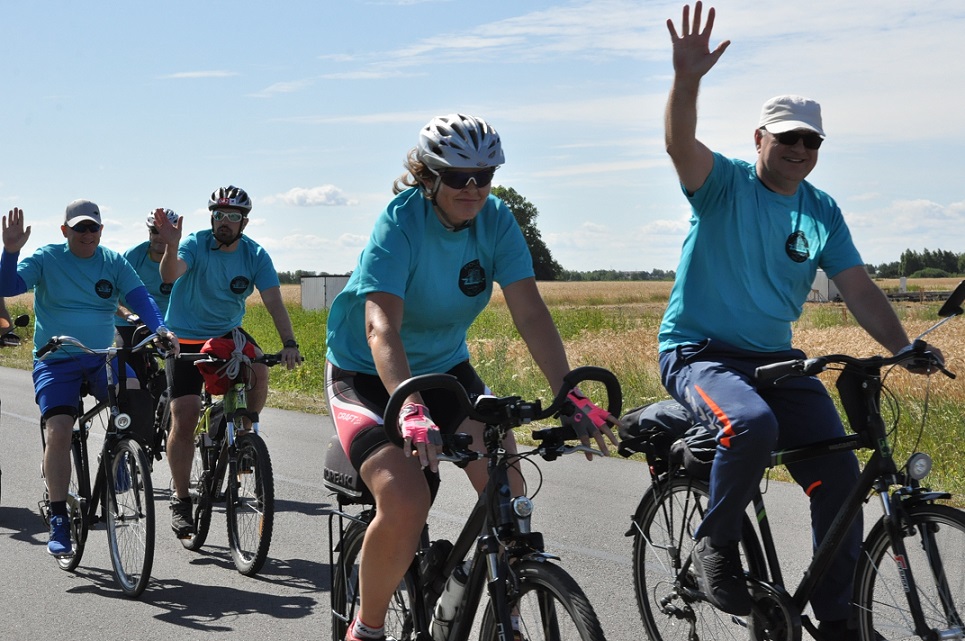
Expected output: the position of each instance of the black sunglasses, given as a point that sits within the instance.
(790, 138)
(460, 179)
(82, 228)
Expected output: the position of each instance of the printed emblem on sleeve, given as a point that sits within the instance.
(472, 279)
(104, 288)
(797, 247)
(239, 284)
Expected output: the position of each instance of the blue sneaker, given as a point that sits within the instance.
(59, 544)
(122, 480)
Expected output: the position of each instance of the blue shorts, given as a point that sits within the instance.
(59, 383)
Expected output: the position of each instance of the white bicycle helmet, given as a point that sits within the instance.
(230, 196)
(172, 217)
(459, 141)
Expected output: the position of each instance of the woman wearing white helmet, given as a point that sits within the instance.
(427, 272)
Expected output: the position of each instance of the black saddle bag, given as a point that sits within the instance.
(669, 436)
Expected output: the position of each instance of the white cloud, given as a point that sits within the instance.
(322, 196)
(200, 74)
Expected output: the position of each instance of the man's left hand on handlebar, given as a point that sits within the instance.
(587, 419)
(924, 365)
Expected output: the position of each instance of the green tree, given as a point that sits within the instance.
(526, 214)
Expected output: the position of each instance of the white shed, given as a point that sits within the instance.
(823, 289)
(318, 292)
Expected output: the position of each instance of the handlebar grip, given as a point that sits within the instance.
(775, 372)
(50, 346)
(419, 384)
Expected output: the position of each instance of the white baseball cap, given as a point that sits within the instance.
(787, 113)
(80, 211)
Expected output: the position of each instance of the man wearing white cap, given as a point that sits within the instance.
(76, 288)
(758, 234)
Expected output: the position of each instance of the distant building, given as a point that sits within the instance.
(823, 289)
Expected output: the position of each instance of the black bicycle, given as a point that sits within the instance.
(442, 590)
(11, 339)
(231, 466)
(910, 578)
(122, 495)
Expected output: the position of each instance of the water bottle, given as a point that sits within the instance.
(449, 603)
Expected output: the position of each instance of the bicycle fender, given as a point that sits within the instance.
(918, 498)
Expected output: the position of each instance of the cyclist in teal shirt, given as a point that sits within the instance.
(76, 288)
(758, 234)
(426, 273)
(145, 258)
(213, 271)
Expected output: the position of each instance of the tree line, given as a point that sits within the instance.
(925, 264)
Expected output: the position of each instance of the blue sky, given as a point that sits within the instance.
(312, 106)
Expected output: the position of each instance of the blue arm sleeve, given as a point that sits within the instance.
(11, 283)
(141, 302)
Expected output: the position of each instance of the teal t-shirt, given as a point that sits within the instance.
(445, 278)
(209, 298)
(149, 272)
(76, 296)
(749, 260)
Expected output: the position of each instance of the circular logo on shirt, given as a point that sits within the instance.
(239, 284)
(797, 247)
(104, 288)
(472, 279)
(166, 288)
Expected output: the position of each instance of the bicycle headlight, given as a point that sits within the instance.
(919, 466)
(122, 421)
(522, 507)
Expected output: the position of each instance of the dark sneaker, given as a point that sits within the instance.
(721, 577)
(59, 544)
(181, 518)
(841, 630)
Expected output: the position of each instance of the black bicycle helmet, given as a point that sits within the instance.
(230, 196)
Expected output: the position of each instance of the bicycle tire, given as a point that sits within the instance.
(130, 516)
(668, 599)
(200, 488)
(880, 598)
(78, 498)
(550, 603)
(250, 505)
(345, 590)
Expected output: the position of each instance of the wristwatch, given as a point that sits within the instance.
(290, 343)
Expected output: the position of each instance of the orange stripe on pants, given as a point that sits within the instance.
(728, 429)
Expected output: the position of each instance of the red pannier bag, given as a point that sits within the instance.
(216, 380)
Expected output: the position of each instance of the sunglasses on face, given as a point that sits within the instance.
(232, 216)
(790, 138)
(87, 227)
(460, 179)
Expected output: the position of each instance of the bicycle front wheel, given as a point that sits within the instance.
(934, 537)
(550, 604)
(664, 580)
(130, 516)
(345, 590)
(251, 505)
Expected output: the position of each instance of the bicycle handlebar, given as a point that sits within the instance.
(265, 359)
(508, 410)
(56, 342)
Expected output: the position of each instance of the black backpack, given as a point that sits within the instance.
(669, 436)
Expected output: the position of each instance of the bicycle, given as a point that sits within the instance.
(231, 466)
(122, 487)
(508, 556)
(910, 577)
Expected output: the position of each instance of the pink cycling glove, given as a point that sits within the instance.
(417, 426)
(586, 416)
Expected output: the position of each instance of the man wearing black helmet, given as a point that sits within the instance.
(214, 271)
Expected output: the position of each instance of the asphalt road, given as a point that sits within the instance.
(583, 509)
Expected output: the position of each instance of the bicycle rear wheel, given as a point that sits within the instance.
(78, 497)
(934, 537)
(664, 580)
(550, 604)
(130, 516)
(345, 590)
(200, 488)
(251, 505)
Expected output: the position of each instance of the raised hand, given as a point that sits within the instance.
(15, 236)
(691, 47)
(168, 233)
